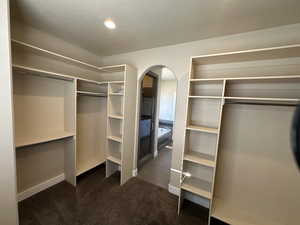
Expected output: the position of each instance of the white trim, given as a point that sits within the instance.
(155, 153)
(135, 172)
(40, 187)
(174, 190)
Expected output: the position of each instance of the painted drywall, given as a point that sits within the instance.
(177, 58)
(167, 100)
(8, 202)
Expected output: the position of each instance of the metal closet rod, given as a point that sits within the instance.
(263, 103)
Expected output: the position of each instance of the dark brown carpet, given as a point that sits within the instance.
(99, 201)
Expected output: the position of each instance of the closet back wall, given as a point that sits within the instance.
(177, 58)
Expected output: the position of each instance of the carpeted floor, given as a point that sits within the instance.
(157, 170)
(99, 201)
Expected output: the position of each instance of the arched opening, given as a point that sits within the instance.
(157, 103)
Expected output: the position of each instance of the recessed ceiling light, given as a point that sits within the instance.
(110, 24)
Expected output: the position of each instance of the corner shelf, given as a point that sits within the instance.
(115, 138)
(27, 141)
(197, 186)
(200, 158)
(202, 129)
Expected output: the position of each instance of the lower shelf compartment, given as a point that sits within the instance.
(114, 159)
(198, 187)
(82, 168)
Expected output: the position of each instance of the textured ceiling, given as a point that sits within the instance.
(145, 24)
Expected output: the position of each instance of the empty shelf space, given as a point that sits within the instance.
(114, 159)
(86, 166)
(26, 141)
(116, 116)
(197, 186)
(115, 138)
(203, 129)
(87, 93)
(200, 158)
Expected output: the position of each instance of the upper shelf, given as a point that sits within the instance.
(251, 99)
(27, 141)
(249, 55)
(246, 78)
(43, 73)
(104, 69)
(93, 94)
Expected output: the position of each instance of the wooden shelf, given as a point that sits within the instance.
(114, 159)
(206, 97)
(200, 158)
(203, 129)
(116, 82)
(249, 55)
(119, 117)
(207, 80)
(92, 81)
(264, 99)
(93, 94)
(27, 141)
(42, 73)
(116, 94)
(246, 78)
(115, 138)
(87, 166)
(197, 186)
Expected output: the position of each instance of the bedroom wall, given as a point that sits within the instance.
(176, 58)
(167, 100)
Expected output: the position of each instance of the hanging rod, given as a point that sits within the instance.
(263, 103)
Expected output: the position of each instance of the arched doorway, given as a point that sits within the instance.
(158, 86)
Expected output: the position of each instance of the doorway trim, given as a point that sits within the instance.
(138, 105)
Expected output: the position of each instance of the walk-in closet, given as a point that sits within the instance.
(140, 112)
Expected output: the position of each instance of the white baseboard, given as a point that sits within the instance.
(155, 154)
(174, 190)
(40, 187)
(135, 172)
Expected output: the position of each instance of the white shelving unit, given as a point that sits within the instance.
(44, 114)
(121, 114)
(61, 124)
(252, 94)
